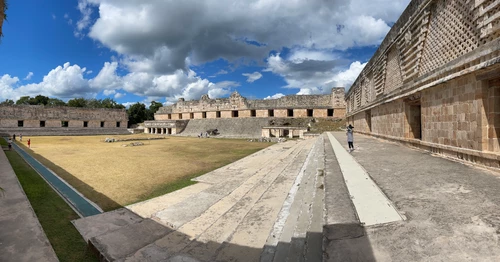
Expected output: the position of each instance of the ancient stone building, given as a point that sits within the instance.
(174, 118)
(43, 120)
(434, 82)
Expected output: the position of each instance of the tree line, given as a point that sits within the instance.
(137, 113)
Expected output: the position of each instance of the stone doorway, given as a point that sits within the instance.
(368, 117)
(413, 113)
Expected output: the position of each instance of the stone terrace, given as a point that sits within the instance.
(304, 201)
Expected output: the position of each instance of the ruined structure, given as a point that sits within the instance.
(41, 120)
(173, 119)
(434, 82)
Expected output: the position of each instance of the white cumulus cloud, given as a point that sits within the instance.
(148, 35)
(314, 76)
(252, 77)
(275, 96)
(28, 77)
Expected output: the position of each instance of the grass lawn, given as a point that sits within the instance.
(53, 213)
(113, 176)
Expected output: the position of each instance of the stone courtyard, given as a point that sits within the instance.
(297, 201)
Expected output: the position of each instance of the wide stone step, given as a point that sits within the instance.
(287, 242)
(204, 235)
(148, 208)
(247, 166)
(177, 215)
(209, 242)
(128, 239)
(104, 223)
(248, 240)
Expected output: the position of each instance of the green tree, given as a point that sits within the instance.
(77, 102)
(39, 100)
(153, 108)
(3, 14)
(93, 103)
(7, 102)
(110, 103)
(136, 113)
(23, 100)
(55, 102)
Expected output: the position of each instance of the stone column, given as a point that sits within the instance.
(146, 130)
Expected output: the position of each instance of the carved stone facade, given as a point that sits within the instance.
(236, 106)
(24, 117)
(173, 119)
(434, 82)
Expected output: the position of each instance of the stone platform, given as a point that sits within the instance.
(295, 201)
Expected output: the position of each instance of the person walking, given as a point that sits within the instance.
(20, 137)
(29, 143)
(10, 143)
(350, 137)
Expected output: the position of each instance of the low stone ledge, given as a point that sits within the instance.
(487, 159)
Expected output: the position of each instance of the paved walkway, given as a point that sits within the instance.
(452, 209)
(21, 235)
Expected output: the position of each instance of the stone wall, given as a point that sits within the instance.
(237, 106)
(436, 80)
(24, 116)
(453, 114)
(432, 39)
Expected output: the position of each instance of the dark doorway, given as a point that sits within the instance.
(414, 119)
(289, 112)
(203, 114)
(270, 113)
(85, 123)
(42, 123)
(329, 112)
(253, 113)
(368, 117)
(217, 114)
(310, 112)
(234, 113)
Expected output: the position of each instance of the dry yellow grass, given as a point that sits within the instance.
(112, 175)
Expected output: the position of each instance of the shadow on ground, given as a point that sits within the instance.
(149, 240)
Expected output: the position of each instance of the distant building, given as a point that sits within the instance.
(174, 118)
(43, 120)
(434, 82)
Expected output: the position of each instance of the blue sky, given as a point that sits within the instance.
(139, 51)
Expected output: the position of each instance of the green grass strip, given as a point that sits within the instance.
(52, 211)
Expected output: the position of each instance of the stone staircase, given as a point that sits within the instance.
(228, 127)
(240, 127)
(265, 207)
